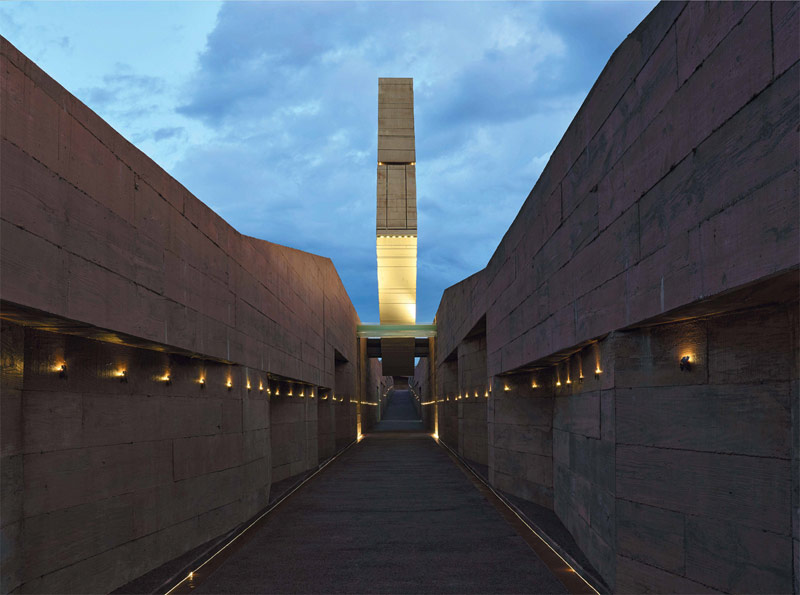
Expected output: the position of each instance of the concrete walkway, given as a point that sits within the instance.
(394, 514)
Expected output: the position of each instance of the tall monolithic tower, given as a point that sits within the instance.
(397, 218)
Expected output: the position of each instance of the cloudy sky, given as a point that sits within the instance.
(267, 112)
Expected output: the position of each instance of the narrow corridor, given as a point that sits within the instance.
(393, 514)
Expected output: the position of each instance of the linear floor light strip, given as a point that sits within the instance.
(567, 578)
(189, 582)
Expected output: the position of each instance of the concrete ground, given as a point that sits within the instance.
(393, 514)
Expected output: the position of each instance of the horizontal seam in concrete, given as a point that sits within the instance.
(714, 589)
(712, 452)
(84, 560)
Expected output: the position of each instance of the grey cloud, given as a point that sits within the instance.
(168, 132)
(289, 94)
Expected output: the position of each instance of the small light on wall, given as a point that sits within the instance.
(568, 380)
(260, 385)
(486, 394)
(202, 382)
(506, 387)
(597, 372)
(62, 371)
(166, 379)
(580, 378)
(248, 385)
(558, 383)
(534, 385)
(685, 364)
(229, 384)
(123, 376)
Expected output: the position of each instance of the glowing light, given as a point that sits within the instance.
(229, 384)
(248, 384)
(166, 379)
(202, 382)
(569, 381)
(360, 437)
(558, 383)
(597, 371)
(191, 576)
(534, 385)
(260, 385)
(62, 370)
(122, 375)
(435, 436)
(506, 387)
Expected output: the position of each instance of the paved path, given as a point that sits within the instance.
(393, 514)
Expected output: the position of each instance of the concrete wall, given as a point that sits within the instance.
(107, 477)
(108, 262)
(473, 388)
(665, 223)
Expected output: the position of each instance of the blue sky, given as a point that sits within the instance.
(267, 112)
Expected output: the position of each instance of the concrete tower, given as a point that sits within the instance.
(396, 224)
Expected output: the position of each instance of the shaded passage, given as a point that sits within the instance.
(400, 414)
(393, 515)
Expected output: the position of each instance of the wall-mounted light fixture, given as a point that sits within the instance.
(260, 385)
(248, 385)
(166, 379)
(123, 376)
(534, 385)
(597, 371)
(62, 371)
(229, 384)
(202, 382)
(506, 387)
(685, 363)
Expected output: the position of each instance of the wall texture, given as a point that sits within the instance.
(665, 224)
(109, 264)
